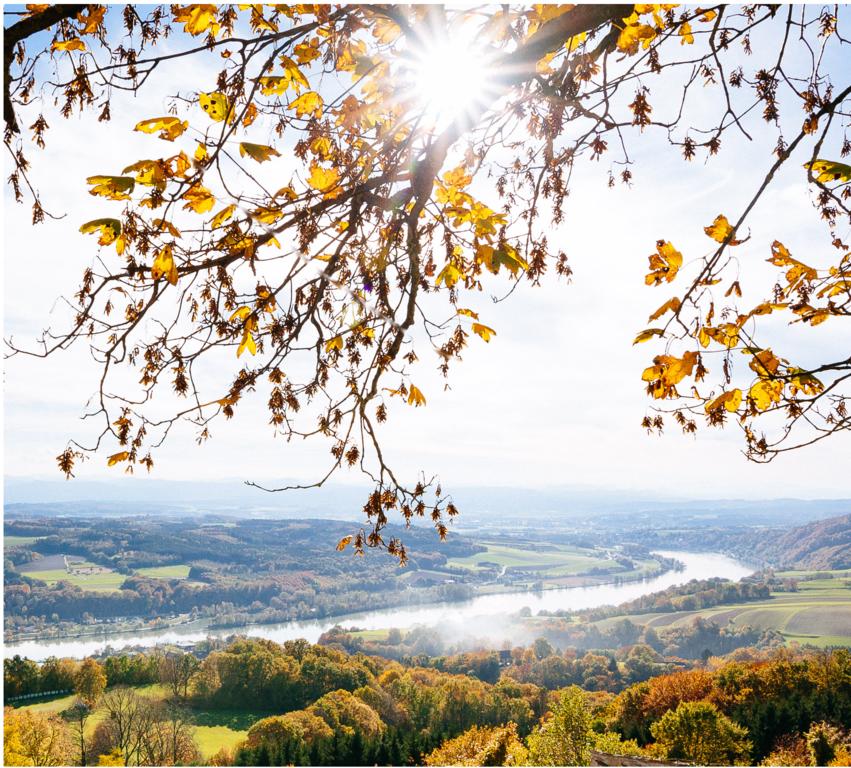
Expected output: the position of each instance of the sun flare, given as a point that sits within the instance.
(450, 76)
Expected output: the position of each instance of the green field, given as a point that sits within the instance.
(212, 730)
(165, 572)
(553, 561)
(88, 576)
(818, 614)
(372, 635)
(18, 541)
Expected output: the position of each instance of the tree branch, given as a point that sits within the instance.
(19, 31)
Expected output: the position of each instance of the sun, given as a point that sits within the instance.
(450, 75)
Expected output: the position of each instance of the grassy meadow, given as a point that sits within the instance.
(18, 541)
(819, 613)
(94, 577)
(211, 731)
(555, 565)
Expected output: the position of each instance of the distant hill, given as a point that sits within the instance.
(821, 545)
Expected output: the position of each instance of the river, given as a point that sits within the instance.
(485, 617)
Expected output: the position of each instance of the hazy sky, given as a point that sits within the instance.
(554, 399)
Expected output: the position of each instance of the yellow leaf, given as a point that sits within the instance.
(634, 34)
(469, 313)
(672, 305)
(267, 215)
(241, 314)
(150, 173)
(802, 381)
(109, 229)
(384, 30)
(726, 334)
(198, 198)
(829, 170)
(222, 216)
(197, 18)
(201, 153)
(250, 115)
(277, 85)
(720, 230)
(686, 34)
(259, 23)
(309, 103)
(799, 271)
(164, 266)
(247, 343)
(289, 193)
(181, 164)
(457, 178)
(415, 397)
(324, 180)
(449, 275)
(321, 146)
(258, 152)
(351, 54)
(664, 264)
(647, 334)
(667, 371)
(574, 42)
(74, 44)
(274, 85)
(343, 543)
(169, 127)
(292, 71)
(508, 256)
(306, 52)
(112, 187)
(215, 104)
(764, 363)
(765, 392)
(162, 224)
(335, 343)
(483, 331)
(116, 457)
(92, 20)
(729, 400)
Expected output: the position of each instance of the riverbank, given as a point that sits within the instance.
(493, 610)
(187, 621)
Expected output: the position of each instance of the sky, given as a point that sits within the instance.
(555, 399)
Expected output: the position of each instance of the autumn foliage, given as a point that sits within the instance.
(308, 225)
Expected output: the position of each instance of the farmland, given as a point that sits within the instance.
(818, 613)
(552, 564)
(165, 572)
(18, 541)
(80, 573)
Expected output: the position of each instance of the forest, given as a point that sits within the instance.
(304, 704)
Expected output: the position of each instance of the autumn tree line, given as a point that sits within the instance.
(318, 705)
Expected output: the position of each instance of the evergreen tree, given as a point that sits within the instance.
(315, 757)
(356, 750)
(262, 756)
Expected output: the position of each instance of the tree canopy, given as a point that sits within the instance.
(311, 222)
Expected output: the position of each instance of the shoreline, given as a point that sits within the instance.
(105, 632)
